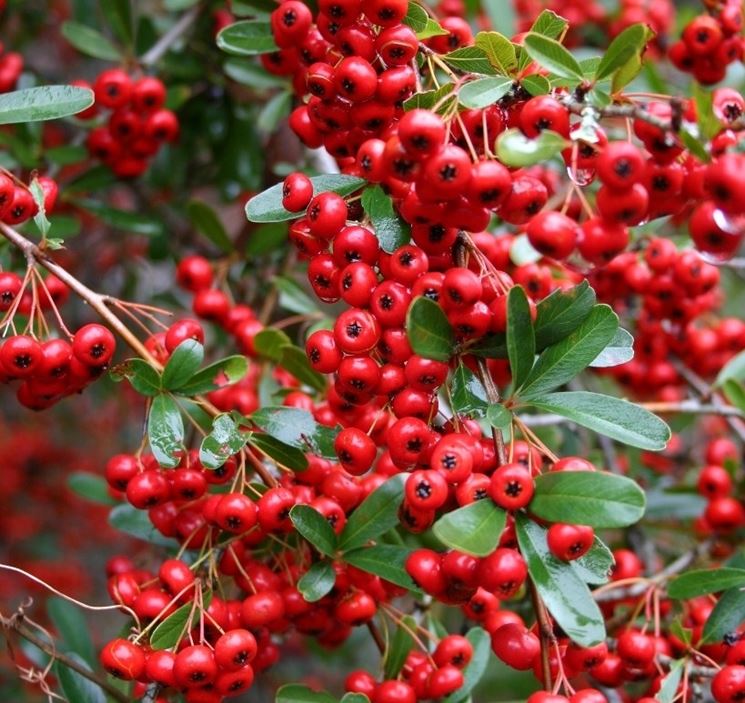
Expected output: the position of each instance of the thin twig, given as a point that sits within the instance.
(159, 49)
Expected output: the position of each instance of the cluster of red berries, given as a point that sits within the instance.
(710, 43)
(137, 123)
(17, 204)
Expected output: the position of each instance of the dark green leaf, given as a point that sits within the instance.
(315, 528)
(377, 514)
(274, 111)
(294, 360)
(247, 38)
(664, 505)
(562, 361)
(594, 498)
(385, 560)
(66, 154)
(631, 41)
(354, 698)
(669, 684)
(474, 672)
(499, 50)
(205, 219)
(292, 297)
(467, 393)
(229, 370)
(727, 616)
(167, 633)
(48, 102)
(269, 342)
(90, 41)
(427, 99)
(142, 377)
(284, 454)
(246, 72)
(560, 313)
(515, 149)
(399, 648)
(267, 206)
(484, 92)
(183, 363)
(520, 335)
(68, 620)
(620, 349)
(470, 59)
(93, 179)
(474, 529)
(75, 686)
(266, 238)
(165, 430)
(429, 331)
(493, 346)
(551, 55)
(703, 581)
(595, 565)
(125, 220)
(136, 523)
(317, 581)
(297, 693)
(565, 594)
(224, 440)
(298, 429)
(92, 487)
(612, 417)
(390, 229)
(118, 14)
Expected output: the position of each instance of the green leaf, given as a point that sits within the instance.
(136, 523)
(167, 632)
(708, 123)
(467, 393)
(205, 219)
(515, 149)
(669, 684)
(247, 38)
(620, 349)
(624, 75)
(429, 331)
(294, 360)
(702, 581)
(735, 393)
(377, 514)
(493, 346)
(68, 620)
(92, 487)
(549, 24)
(631, 41)
(594, 498)
(474, 672)
(284, 454)
(224, 440)
(266, 238)
(297, 428)
(183, 363)
(422, 24)
(317, 581)
(499, 50)
(520, 335)
(562, 361)
(474, 529)
(565, 594)
(48, 102)
(399, 648)
(292, 297)
(75, 686)
(536, 84)
(141, 376)
(499, 416)
(90, 41)
(246, 72)
(470, 59)
(165, 430)
(314, 528)
(354, 698)
(727, 616)
(40, 218)
(551, 55)
(390, 229)
(118, 14)
(523, 252)
(426, 100)
(269, 343)
(595, 565)
(274, 111)
(267, 205)
(297, 693)
(385, 560)
(613, 417)
(484, 92)
(734, 369)
(560, 313)
(231, 369)
(125, 220)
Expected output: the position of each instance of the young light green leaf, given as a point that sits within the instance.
(594, 498)
(205, 219)
(562, 361)
(560, 313)
(499, 50)
(629, 42)
(549, 24)
(467, 393)
(399, 648)
(520, 335)
(90, 486)
(551, 55)
(620, 349)
(267, 205)
(247, 38)
(422, 24)
(47, 102)
(284, 454)
(474, 672)
(183, 363)
(535, 83)
(474, 529)
(390, 229)
(297, 428)
(727, 616)
(498, 416)
(90, 41)
(703, 581)
(515, 149)
(669, 684)
(385, 560)
(68, 620)
(377, 514)
(734, 369)
(317, 581)
(429, 331)
(224, 440)
(40, 218)
(483, 92)
(314, 528)
(165, 430)
(613, 417)
(227, 371)
(565, 594)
